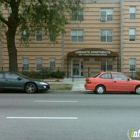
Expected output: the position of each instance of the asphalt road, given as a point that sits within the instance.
(68, 116)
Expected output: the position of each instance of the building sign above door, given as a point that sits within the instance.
(92, 52)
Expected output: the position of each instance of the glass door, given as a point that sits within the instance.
(77, 67)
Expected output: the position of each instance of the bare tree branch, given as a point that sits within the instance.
(40, 1)
(7, 1)
(18, 2)
(4, 20)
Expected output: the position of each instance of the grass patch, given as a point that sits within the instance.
(61, 86)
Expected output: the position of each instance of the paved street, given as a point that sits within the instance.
(68, 116)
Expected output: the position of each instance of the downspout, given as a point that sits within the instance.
(1, 45)
(121, 35)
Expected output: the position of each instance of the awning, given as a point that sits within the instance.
(92, 52)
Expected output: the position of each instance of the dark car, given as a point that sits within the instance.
(16, 81)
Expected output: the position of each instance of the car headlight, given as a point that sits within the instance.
(43, 83)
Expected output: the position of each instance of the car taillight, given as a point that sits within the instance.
(88, 81)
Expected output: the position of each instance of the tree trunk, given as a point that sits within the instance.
(12, 51)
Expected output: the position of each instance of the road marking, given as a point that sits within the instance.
(43, 101)
(49, 118)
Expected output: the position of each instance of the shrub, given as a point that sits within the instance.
(44, 73)
(137, 75)
(58, 74)
(32, 74)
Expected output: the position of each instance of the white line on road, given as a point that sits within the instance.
(43, 101)
(50, 118)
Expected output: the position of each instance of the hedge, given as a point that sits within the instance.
(44, 73)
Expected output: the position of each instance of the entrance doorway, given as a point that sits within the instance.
(77, 67)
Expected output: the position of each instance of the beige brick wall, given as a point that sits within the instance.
(91, 26)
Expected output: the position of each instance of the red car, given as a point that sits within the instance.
(112, 81)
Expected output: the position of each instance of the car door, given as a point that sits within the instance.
(12, 81)
(121, 82)
(107, 81)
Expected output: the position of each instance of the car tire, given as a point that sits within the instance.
(137, 90)
(30, 88)
(100, 89)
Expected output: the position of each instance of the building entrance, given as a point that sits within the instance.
(77, 67)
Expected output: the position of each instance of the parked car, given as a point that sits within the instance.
(112, 81)
(16, 81)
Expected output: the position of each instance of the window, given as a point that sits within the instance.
(25, 10)
(1, 75)
(10, 11)
(52, 63)
(25, 35)
(106, 35)
(119, 76)
(52, 10)
(11, 76)
(77, 15)
(106, 76)
(106, 14)
(132, 33)
(106, 64)
(132, 11)
(25, 63)
(52, 35)
(77, 35)
(132, 64)
(39, 64)
(39, 35)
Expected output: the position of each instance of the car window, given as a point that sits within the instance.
(95, 75)
(1, 75)
(21, 75)
(119, 76)
(106, 76)
(11, 76)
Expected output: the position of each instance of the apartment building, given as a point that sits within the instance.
(104, 36)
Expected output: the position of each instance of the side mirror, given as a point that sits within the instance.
(19, 78)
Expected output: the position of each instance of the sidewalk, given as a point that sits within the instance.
(78, 84)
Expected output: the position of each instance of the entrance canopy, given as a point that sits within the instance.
(92, 52)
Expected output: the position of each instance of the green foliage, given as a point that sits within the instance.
(48, 15)
(32, 74)
(44, 73)
(137, 75)
(58, 74)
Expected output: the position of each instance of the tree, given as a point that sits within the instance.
(49, 15)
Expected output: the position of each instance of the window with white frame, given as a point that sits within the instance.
(38, 35)
(132, 34)
(77, 35)
(25, 35)
(132, 11)
(52, 35)
(39, 64)
(106, 35)
(52, 63)
(132, 64)
(106, 64)
(77, 15)
(25, 63)
(106, 14)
